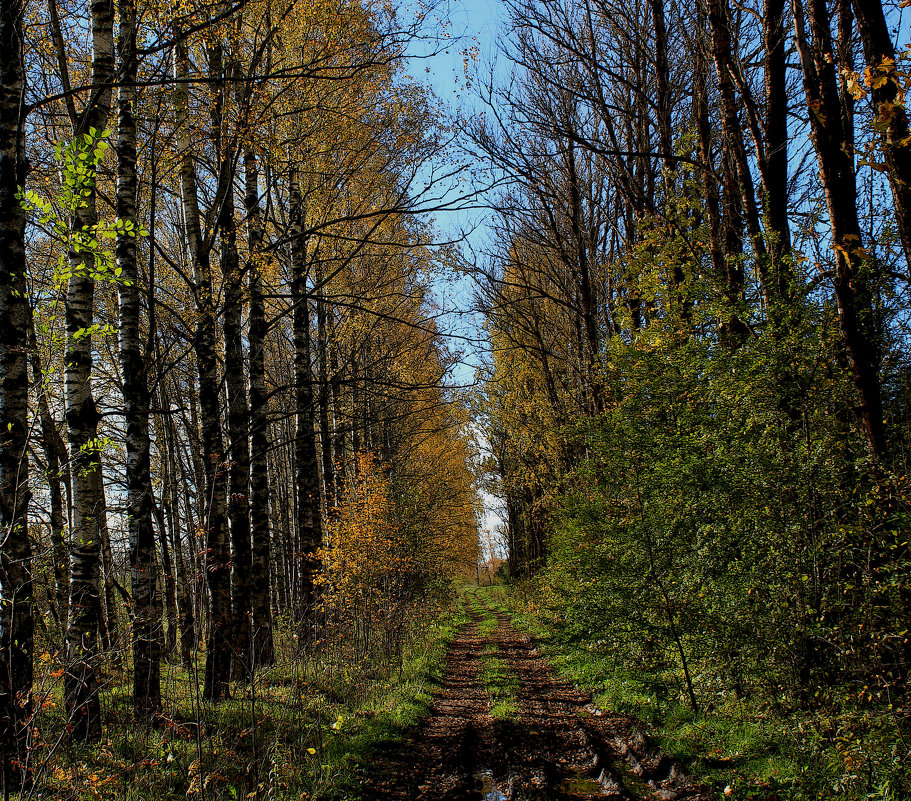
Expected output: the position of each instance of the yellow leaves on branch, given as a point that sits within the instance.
(366, 553)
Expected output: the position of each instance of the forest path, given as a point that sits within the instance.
(504, 727)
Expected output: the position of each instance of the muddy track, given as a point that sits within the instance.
(554, 746)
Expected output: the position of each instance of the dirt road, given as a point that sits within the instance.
(505, 728)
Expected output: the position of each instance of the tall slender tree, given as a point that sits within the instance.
(214, 516)
(891, 116)
(261, 547)
(238, 433)
(836, 168)
(147, 628)
(309, 519)
(89, 524)
(16, 618)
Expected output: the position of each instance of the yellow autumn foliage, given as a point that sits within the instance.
(366, 559)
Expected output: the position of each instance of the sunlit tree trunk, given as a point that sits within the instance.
(327, 440)
(836, 170)
(889, 110)
(80, 678)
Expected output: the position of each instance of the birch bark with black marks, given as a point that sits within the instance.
(81, 671)
(214, 520)
(16, 620)
(309, 518)
(147, 624)
(263, 651)
(186, 594)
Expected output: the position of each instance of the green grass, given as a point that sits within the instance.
(500, 683)
(745, 743)
(299, 731)
(494, 596)
(723, 748)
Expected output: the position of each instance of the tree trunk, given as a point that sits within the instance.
(16, 620)
(109, 621)
(238, 422)
(173, 466)
(260, 576)
(217, 552)
(888, 102)
(326, 437)
(836, 169)
(733, 134)
(309, 523)
(281, 507)
(80, 679)
(775, 172)
(666, 140)
(188, 598)
(168, 573)
(591, 344)
(147, 624)
(55, 457)
(733, 330)
(184, 592)
(663, 96)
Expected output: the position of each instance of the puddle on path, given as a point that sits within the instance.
(579, 786)
(576, 786)
(488, 787)
(633, 782)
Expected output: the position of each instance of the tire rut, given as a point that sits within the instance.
(556, 747)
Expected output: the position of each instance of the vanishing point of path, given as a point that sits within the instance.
(548, 743)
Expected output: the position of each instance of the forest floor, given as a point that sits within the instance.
(504, 727)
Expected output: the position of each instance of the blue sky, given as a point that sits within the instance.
(470, 25)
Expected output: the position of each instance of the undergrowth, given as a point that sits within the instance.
(298, 731)
(760, 750)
